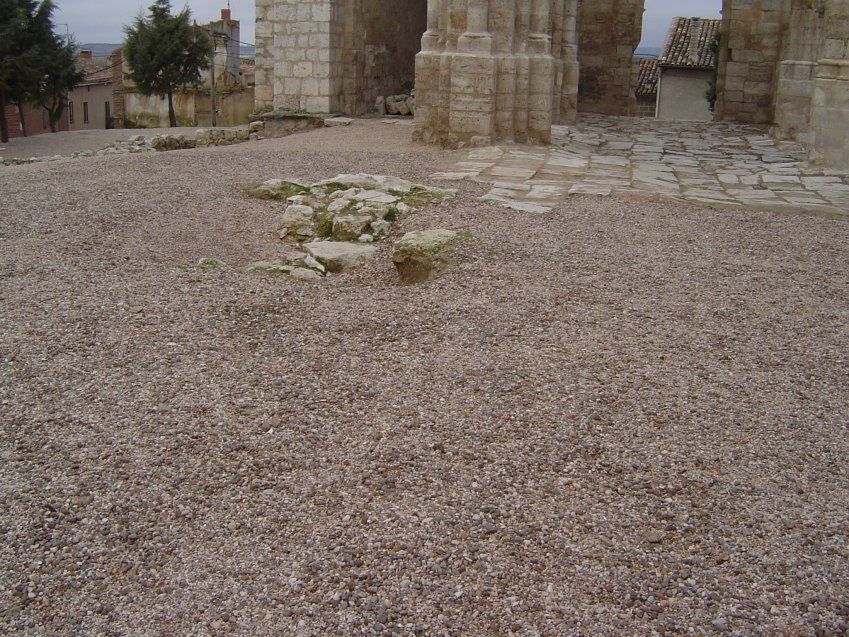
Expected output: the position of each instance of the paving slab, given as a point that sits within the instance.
(704, 162)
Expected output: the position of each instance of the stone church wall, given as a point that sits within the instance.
(749, 56)
(830, 108)
(609, 32)
(493, 70)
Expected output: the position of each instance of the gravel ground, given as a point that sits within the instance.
(69, 142)
(623, 417)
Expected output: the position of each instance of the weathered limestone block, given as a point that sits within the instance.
(350, 227)
(297, 223)
(830, 115)
(339, 256)
(277, 189)
(419, 255)
(305, 274)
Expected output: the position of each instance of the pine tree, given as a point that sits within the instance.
(35, 64)
(14, 56)
(59, 75)
(165, 52)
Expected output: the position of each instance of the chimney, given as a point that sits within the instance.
(225, 14)
(85, 54)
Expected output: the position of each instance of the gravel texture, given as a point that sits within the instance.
(623, 417)
(68, 142)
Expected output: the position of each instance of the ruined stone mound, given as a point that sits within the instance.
(332, 225)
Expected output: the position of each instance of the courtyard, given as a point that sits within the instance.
(726, 164)
(622, 412)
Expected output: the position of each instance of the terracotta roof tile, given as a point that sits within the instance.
(96, 71)
(647, 76)
(689, 43)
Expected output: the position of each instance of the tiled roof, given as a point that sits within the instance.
(647, 76)
(96, 72)
(689, 43)
(248, 68)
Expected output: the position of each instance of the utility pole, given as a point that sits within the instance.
(212, 78)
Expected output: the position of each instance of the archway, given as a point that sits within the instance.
(684, 41)
(379, 47)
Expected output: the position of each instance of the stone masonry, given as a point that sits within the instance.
(786, 63)
(608, 34)
(488, 69)
(507, 70)
(496, 70)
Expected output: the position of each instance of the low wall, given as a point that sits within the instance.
(151, 111)
(191, 109)
(234, 109)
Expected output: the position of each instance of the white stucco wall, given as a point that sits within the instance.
(96, 96)
(682, 95)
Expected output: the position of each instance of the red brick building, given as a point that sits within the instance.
(36, 120)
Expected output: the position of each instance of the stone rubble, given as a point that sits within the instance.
(332, 225)
(403, 104)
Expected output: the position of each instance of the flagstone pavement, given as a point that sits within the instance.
(718, 164)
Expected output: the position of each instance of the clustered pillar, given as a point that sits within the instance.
(496, 70)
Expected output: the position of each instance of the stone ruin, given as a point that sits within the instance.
(333, 225)
(506, 70)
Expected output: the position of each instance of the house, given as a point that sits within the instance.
(90, 104)
(234, 97)
(36, 121)
(687, 69)
(646, 87)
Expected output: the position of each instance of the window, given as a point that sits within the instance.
(70, 112)
(85, 112)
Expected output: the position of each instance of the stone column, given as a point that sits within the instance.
(431, 74)
(830, 105)
(477, 38)
(830, 115)
(430, 40)
(473, 71)
(571, 68)
(541, 73)
(487, 73)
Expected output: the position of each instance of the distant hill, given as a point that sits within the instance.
(649, 51)
(101, 50)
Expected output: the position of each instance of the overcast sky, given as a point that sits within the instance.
(102, 20)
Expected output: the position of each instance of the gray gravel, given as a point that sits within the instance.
(619, 418)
